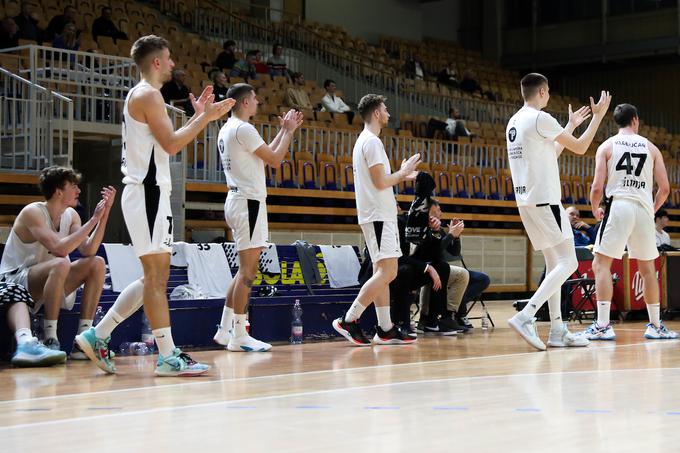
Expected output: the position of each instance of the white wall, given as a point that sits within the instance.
(369, 19)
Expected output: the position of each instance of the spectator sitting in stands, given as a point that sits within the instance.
(584, 234)
(28, 23)
(57, 24)
(226, 58)
(449, 76)
(220, 87)
(176, 90)
(68, 39)
(260, 66)
(277, 64)
(470, 85)
(335, 104)
(414, 68)
(245, 68)
(104, 26)
(663, 239)
(453, 127)
(296, 96)
(9, 34)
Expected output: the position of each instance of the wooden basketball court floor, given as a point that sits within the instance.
(482, 392)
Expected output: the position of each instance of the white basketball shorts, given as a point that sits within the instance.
(148, 217)
(247, 220)
(382, 240)
(546, 225)
(627, 222)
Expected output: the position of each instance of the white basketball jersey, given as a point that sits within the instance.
(630, 170)
(144, 161)
(530, 137)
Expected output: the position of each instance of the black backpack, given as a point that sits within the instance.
(418, 219)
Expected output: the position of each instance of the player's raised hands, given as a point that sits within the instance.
(291, 120)
(579, 116)
(108, 196)
(216, 110)
(199, 104)
(602, 105)
(408, 167)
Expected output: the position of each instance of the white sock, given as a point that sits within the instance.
(166, 346)
(555, 310)
(50, 328)
(126, 304)
(354, 311)
(384, 319)
(23, 335)
(227, 321)
(239, 325)
(603, 310)
(83, 325)
(109, 322)
(654, 311)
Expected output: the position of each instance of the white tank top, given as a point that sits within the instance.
(19, 254)
(630, 170)
(143, 160)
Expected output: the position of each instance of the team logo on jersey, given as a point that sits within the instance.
(220, 145)
(512, 134)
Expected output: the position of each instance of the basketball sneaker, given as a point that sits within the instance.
(450, 322)
(246, 343)
(33, 354)
(527, 330)
(77, 353)
(351, 331)
(564, 339)
(53, 344)
(597, 332)
(393, 336)
(659, 333)
(179, 364)
(222, 336)
(96, 349)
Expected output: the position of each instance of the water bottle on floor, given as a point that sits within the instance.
(134, 348)
(147, 335)
(296, 323)
(485, 319)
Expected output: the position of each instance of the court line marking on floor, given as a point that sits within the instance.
(308, 373)
(317, 392)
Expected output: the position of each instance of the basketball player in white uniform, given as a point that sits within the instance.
(244, 155)
(148, 141)
(377, 214)
(631, 164)
(535, 140)
(36, 258)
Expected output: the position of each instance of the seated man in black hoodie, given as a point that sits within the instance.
(416, 270)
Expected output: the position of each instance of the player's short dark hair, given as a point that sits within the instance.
(327, 83)
(54, 177)
(296, 75)
(624, 114)
(228, 43)
(660, 213)
(369, 104)
(147, 45)
(531, 83)
(239, 91)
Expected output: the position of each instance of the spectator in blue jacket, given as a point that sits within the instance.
(584, 234)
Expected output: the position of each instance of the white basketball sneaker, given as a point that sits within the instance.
(527, 329)
(659, 333)
(564, 339)
(222, 336)
(246, 343)
(598, 332)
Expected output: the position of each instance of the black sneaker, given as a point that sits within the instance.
(420, 327)
(352, 331)
(409, 330)
(393, 336)
(451, 324)
(463, 321)
(446, 330)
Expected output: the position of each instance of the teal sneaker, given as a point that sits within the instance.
(34, 354)
(179, 364)
(96, 350)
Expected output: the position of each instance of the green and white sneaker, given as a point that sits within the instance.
(179, 364)
(35, 354)
(96, 349)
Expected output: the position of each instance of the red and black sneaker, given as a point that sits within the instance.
(393, 336)
(352, 331)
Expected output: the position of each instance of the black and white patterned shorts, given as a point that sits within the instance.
(11, 293)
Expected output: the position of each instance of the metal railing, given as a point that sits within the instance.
(36, 125)
(96, 83)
